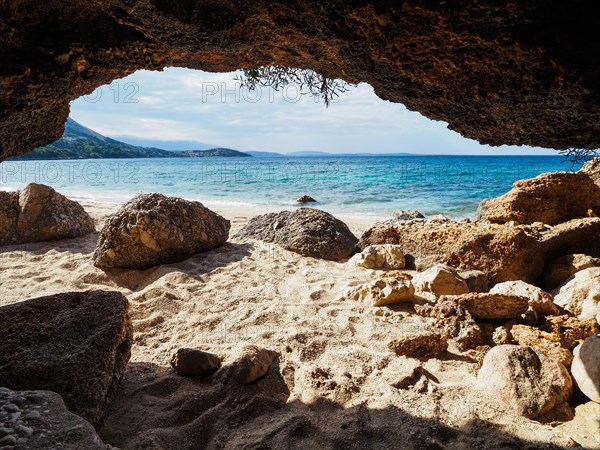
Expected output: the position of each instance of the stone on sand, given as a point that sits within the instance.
(191, 362)
(383, 256)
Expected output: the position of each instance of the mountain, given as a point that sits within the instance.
(80, 142)
(165, 145)
(213, 153)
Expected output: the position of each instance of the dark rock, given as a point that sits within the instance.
(504, 252)
(76, 344)
(39, 213)
(305, 199)
(421, 346)
(152, 229)
(559, 270)
(45, 423)
(476, 280)
(549, 198)
(307, 231)
(408, 214)
(247, 364)
(194, 363)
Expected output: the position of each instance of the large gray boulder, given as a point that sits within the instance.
(39, 213)
(39, 421)
(76, 344)
(306, 231)
(152, 229)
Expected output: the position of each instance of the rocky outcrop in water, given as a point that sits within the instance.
(502, 72)
(39, 213)
(76, 344)
(307, 231)
(152, 229)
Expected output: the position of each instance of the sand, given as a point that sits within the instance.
(334, 384)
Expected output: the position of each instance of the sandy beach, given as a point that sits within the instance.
(334, 356)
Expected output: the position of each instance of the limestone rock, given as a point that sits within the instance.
(9, 214)
(440, 280)
(491, 306)
(566, 266)
(152, 229)
(305, 199)
(549, 198)
(307, 231)
(580, 294)
(250, 363)
(476, 280)
(384, 256)
(583, 429)
(454, 322)
(570, 331)
(505, 252)
(39, 213)
(592, 170)
(421, 346)
(384, 291)
(539, 300)
(408, 214)
(194, 363)
(43, 422)
(76, 344)
(524, 379)
(547, 343)
(586, 367)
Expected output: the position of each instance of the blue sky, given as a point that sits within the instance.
(181, 108)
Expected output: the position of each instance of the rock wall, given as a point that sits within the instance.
(502, 72)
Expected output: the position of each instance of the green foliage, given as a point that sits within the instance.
(308, 81)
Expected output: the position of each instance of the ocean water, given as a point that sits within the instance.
(361, 187)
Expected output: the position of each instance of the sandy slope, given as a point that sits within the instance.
(333, 387)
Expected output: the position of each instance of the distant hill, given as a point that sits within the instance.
(266, 154)
(165, 145)
(79, 142)
(213, 153)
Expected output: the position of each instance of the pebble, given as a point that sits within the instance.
(5, 430)
(32, 415)
(11, 408)
(24, 431)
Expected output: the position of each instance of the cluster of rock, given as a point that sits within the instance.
(39, 213)
(545, 232)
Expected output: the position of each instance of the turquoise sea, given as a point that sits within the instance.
(361, 186)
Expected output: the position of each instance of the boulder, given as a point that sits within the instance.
(440, 280)
(539, 300)
(569, 331)
(384, 256)
(559, 270)
(586, 367)
(39, 213)
(505, 252)
(9, 216)
(453, 322)
(194, 363)
(306, 231)
(76, 344)
(524, 379)
(408, 214)
(491, 306)
(476, 280)
(152, 229)
(547, 343)
(39, 420)
(592, 170)
(421, 346)
(549, 198)
(580, 294)
(382, 292)
(305, 199)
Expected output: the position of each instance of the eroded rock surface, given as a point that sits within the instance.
(39, 213)
(501, 73)
(384, 291)
(525, 379)
(384, 257)
(586, 367)
(152, 229)
(306, 231)
(439, 280)
(580, 294)
(566, 266)
(539, 300)
(39, 420)
(491, 306)
(76, 344)
(504, 252)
